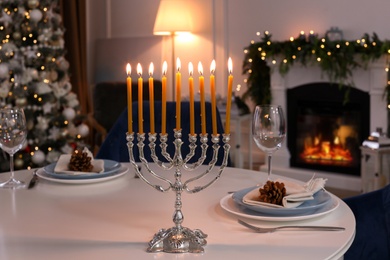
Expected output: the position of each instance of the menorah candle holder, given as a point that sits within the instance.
(178, 239)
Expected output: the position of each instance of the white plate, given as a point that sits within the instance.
(109, 168)
(42, 174)
(230, 206)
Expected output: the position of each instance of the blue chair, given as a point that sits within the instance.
(115, 146)
(372, 213)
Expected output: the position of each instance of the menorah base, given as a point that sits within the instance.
(178, 240)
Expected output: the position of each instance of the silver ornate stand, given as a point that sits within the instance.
(178, 239)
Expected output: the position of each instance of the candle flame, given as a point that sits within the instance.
(200, 68)
(230, 65)
(139, 69)
(212, 67)
(178, 64)
(151, 69)
(165, 68)
(190, 68)
(128, 69)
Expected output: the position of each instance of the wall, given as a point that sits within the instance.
(223, 28)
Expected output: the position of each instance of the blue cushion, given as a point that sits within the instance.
(372, 213)
(115, 146)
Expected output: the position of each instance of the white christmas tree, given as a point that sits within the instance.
(34, 76)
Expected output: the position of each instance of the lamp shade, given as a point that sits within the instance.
(173, 17)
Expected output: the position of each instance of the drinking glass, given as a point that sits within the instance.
(269, 130)
(13, 134)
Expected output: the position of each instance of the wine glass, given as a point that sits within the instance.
(268, 129)
(13, 132)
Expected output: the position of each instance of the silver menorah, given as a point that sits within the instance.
(178, 239)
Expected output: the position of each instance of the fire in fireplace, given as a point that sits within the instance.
(324, 132)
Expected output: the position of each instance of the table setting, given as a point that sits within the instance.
(82, 211)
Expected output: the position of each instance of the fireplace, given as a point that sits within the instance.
(369, 81)
(325, 133)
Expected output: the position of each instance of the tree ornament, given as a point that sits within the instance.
(21, 102)
(72, 100)
(38, 157)
(42, 123)
(35, 15)
(5, 18)
(69, 113)
(83, 130)
(32, 4)
(62, 64)
(54, 133)
(43, 88)
(53, 75)
(64, 132)
(53, 156)
(4, 70)
(4, 89)
(17, 36)
(33, 73)
(19, 163)
(67, 149)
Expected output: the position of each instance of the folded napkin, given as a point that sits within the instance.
(63, 162)
(296, 193)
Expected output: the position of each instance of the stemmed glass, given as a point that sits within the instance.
(269, 130)
(13, 132)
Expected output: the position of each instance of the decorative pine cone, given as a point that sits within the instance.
(272, 192)
(80, 161)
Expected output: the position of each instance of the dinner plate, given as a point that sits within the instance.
(121, 171)
(227, 203)
(320, 199)
(109, 168)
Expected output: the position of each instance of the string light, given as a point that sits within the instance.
(325, 53)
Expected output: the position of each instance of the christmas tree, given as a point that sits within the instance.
(34, 76)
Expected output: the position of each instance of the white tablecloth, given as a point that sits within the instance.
(116, 219)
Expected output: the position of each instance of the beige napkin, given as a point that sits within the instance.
(296, 193)
(63, 162)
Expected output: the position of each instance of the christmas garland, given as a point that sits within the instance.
(336, 58)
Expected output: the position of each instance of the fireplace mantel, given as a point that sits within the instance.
(373, 79)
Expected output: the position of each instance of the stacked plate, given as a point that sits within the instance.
(112, 169)
(323, 203)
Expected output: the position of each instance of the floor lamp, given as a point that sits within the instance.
(173, 18)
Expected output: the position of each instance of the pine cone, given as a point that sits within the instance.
(272, 192)
(80, 161)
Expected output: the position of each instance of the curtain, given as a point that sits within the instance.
(74, 20)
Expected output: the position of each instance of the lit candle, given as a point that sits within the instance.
(202, 99)
(129, 100)
(151, 98)
(229, 96)
(164, 99)
(191, 89)
(140, 88)
(178, 94)
(213, 100)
